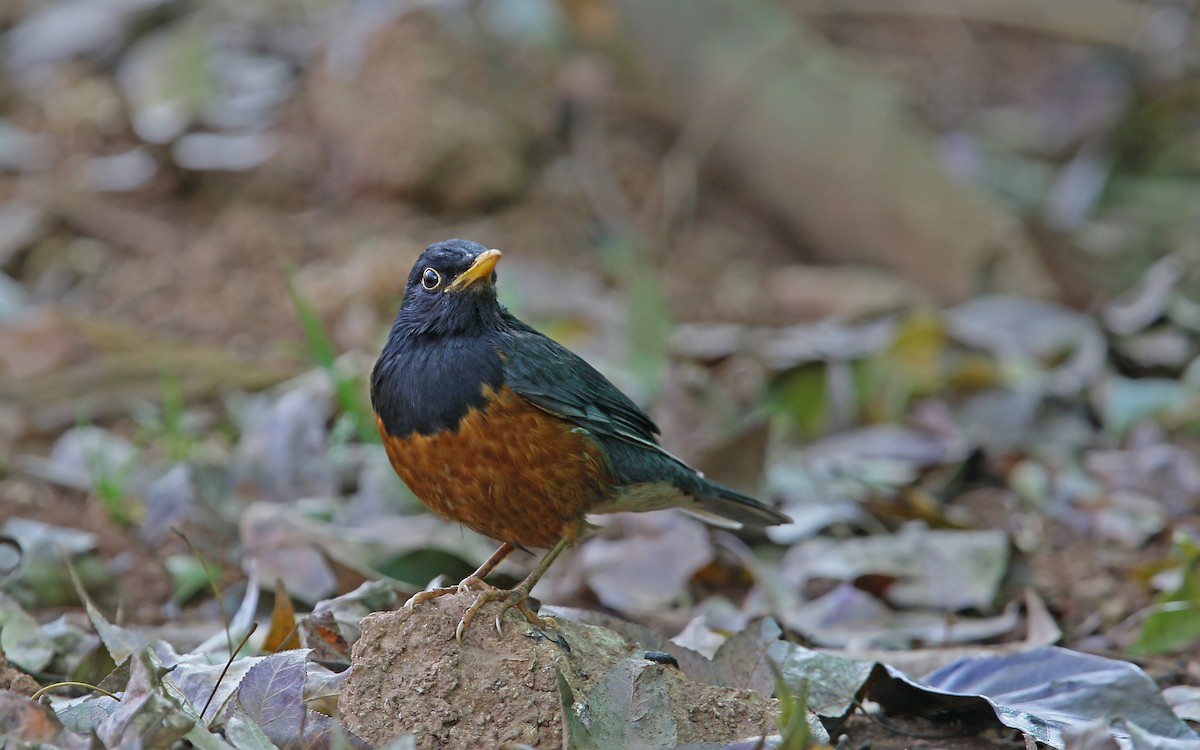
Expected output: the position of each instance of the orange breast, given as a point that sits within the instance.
(511, 471)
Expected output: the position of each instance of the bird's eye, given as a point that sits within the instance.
(431, 279)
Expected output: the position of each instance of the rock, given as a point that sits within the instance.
(410, 675)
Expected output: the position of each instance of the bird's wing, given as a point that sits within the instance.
(560, 382)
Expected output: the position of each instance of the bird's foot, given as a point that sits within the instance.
(473, 583)
(465, 586)
(517, 599)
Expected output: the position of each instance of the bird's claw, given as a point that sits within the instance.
(473, 583)
(428, 595)
(465, 586)
(512, 599)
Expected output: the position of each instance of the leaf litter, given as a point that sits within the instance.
(892, 435)
(261, 699)
(902, 589)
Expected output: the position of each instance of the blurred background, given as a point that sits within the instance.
(922, 272)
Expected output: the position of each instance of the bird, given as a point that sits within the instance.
(495, 426)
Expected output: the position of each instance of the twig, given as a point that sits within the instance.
(72, 683)
(228, 663)
(212, 582)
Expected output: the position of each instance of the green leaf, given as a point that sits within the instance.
(189, 575)
(831, 683)
(1175, 623)
(575, 718)
(801, 395)
(794, 716)
(648, 318)
(347, 389)
(1124, 402)
(420, 566)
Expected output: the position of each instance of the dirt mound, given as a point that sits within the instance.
(14, 679)
(410, 675)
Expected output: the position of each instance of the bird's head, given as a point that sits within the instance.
(451, 290)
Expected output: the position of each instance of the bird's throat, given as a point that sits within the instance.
(425, 386)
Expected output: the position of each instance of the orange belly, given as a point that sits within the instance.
(511, 472)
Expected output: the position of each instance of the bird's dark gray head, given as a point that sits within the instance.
(441, 354)
(451, 290)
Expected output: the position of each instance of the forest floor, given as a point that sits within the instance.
(182, 370)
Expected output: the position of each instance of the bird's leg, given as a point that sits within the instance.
(471, 582)
(475, 580)
(518, 597)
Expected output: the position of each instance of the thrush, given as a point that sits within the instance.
(495, 426)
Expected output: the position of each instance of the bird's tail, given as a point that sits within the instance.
(645, 463)
(728, 508)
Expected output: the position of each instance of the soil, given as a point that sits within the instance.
(863, 732)
(14, 679)
(411, 675)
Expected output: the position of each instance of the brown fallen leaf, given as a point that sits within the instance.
(23, 721)
(283, 634)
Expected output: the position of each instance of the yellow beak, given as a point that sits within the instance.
(481, 269)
